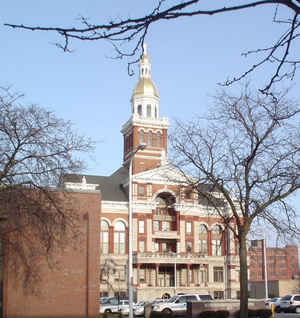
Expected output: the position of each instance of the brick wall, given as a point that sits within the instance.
(282, 263)
(71, 288)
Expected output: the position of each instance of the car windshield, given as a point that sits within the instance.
(287, 297)
(172, 299)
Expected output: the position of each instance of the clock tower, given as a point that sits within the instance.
(145, 126)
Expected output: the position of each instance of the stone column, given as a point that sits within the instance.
(156, 274)
(188, 268)
(138, 274)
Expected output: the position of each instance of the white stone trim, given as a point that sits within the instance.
(121, 220)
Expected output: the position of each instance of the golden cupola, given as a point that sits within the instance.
(145, 95)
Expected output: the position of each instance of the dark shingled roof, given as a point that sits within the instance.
(110, 186)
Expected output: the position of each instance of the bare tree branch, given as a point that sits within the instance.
(248, 150)
(36, 149)
(135, 30)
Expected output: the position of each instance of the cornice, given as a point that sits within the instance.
(135, 120)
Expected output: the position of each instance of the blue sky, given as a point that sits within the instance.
(189, 57)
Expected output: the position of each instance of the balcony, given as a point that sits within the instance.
(166, 235)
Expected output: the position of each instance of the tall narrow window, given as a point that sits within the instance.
(203, 275)
(158, 140)
(119, 238)
(150, 138)
(141, 226)
(189, 246)
(155, 112)
(156, 226)
(149, 111)
(216, 246)
(218, 275)
(142, 246)
(141, 190)
(202, 242)
(188, 227)
(104, 237)
(140, 111)
(141, 136)
(165, 226)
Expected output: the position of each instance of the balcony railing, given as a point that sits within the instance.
(169, 258)
(166, 234)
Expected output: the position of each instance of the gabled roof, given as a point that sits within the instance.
(112, 186)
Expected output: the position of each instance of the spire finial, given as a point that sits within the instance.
(145, 48)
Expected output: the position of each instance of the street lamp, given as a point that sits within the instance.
(130, 233)
(175, 273)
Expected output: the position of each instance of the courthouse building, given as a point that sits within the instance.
(179, 241)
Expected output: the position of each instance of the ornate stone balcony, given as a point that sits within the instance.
(166, 235)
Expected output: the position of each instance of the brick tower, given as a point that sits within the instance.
(145, 126)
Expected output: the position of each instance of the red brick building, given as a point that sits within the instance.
(282, 263)
(180, 243)
(71, 289)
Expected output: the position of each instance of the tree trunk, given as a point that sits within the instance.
(243, 278)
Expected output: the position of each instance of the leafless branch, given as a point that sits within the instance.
(134, 30)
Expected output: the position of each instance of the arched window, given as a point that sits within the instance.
(202, 242)
(150, 138)
(119, 238)
(149, 111)
(140, 111)
(216, 230)
(141, 136)
(158, 140)
(216, 238)
(104, 237)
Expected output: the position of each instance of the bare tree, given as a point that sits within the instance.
(36, 149)
(248, 150)
(280, 54)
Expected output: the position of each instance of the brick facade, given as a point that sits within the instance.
(71, 288)
(282, 263)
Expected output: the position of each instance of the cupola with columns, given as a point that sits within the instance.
(145, 126)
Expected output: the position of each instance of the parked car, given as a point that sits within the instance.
(139, 308)
(290, 303)
(158, 301)
(103, 300)
(275, 301)
(114, 305)
(178, 304)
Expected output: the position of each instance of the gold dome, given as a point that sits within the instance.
(145, 87)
